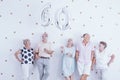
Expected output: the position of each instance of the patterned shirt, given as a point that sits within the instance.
(27, 56)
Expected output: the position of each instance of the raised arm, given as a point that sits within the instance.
(62, 49)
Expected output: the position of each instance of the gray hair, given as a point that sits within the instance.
(25, 41)
(45, 34)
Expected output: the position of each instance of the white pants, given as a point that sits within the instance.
(101, 74)
(26, 68)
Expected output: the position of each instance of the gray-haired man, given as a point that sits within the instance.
(43, 54)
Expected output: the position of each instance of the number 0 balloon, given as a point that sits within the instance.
(62, 19)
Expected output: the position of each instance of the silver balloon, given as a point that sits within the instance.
(45, 15)
(62, 19)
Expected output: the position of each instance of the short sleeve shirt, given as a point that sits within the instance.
(85, 52)
(27, 56)
(41, 47)
(102, 58)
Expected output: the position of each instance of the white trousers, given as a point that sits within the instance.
(101, 74)
(27, 68)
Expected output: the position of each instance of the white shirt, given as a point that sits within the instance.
(41, 48)
(85, 52)
(102, 59)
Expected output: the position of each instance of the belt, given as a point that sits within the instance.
(44, 57)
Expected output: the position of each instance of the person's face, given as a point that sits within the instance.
(101, 47)
(70, 41)
(28, 43)
(87, 37)
(44, 37)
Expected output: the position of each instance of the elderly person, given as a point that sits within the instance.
(68, 59)
(27, 58)
(43, 54)
(84, 56)
(102, 60)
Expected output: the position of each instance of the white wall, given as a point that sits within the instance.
(99, 18)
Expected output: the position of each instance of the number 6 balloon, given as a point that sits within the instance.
(45, 15)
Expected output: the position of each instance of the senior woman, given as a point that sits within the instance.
(27, 58)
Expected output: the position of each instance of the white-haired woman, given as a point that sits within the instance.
(27, 58)
(68, 59)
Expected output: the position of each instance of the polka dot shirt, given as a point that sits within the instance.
(27, 56)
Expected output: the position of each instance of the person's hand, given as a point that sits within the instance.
(37, 56)
(20, 60)
(62, 49)
(36, 51)
(70, 55)
(52, 52)
(67, 54)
